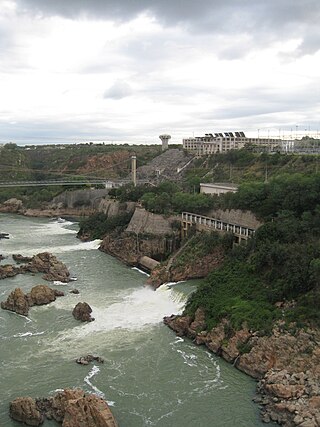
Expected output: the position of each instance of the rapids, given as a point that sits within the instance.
(150, 376)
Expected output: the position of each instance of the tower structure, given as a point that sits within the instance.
(164, 139)
(134, 169)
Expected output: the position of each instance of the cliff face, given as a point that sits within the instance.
(193, 269)
(147, 234)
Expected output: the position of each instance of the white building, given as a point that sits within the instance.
(218, 188)
(222, 142)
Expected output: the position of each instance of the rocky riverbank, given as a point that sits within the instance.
(286, 363)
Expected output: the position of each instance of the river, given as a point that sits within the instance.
(150, 377)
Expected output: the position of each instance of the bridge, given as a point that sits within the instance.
(241, 232)
(77, 180)
(43, 183)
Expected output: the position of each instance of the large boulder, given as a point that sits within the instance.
(70, 407)
(17, 301)
(40, 295)
(47, 263)
(8, 270)
(82, 311)
(24, 409)
(89, 411)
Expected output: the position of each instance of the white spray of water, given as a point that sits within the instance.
(94, 371)
(140, 271)
(78, 246)
(27, 334)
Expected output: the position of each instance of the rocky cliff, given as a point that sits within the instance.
(147, 234)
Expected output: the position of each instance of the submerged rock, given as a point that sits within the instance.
(82, 311)
(85, 360)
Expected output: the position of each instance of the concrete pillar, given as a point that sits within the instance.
(134, 169)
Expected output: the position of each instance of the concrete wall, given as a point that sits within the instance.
(147, 222)
(236, 216)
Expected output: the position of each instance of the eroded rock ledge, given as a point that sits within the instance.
(286, 364)
(44, 262)
(70, 407)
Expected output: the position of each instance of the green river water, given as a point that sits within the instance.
(150, 377)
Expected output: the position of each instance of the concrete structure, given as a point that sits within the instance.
(218, 188)
(165, 139)
(134, 169)
(240, 232)
(222, 142)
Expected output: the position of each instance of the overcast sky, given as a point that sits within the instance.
(129, 70)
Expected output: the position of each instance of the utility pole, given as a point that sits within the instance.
(134, 169)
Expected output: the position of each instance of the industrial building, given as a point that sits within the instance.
(222, 142)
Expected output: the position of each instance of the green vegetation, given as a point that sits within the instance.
(98, 225)
(54, 162)
(280, 263)
(243, 166)
(166, 198)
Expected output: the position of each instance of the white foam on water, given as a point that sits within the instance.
(78, 246)
(58, 283)
(140, 271)
(142, 307)
(56, 227)
(137, 309)
(171, 284)
(27, 334)
(94, 371)
(189, 359)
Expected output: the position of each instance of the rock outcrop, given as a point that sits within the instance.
(44, 262)
(12, 206)
(82, 311)
(147, 234)
(21, 259)
(70, 407)
(194, 269)
(24, 409)
(19, 302)
(286, 364)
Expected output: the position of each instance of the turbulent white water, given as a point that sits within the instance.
(150, 376)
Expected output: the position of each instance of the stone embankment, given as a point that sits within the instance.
(287, 365)
(44, 262)
(69, 408)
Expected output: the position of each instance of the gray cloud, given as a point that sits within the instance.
(263, 21)
(120, 89)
